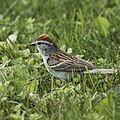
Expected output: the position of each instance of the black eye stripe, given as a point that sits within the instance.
(39, 43)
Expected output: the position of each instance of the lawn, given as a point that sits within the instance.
(88, 29)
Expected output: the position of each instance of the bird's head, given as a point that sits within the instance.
(44, 44)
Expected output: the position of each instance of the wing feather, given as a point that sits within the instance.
(67, 63)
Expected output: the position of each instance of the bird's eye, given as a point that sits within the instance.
(39, 43)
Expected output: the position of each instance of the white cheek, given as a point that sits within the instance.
(38, 47)
(41, 49)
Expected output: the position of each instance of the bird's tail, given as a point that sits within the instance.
(102, 71)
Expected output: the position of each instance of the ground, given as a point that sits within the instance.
(88, 29)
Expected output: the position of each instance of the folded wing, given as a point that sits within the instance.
(66, 63)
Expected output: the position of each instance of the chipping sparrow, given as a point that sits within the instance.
(61, 64)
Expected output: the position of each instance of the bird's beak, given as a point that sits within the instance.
(33, 44)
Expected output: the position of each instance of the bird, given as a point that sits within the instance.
(61, 64)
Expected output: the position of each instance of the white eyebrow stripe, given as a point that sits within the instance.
(44, 42)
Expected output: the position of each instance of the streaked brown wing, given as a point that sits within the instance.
(60, 61)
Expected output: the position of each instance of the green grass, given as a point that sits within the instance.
(27, 91)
